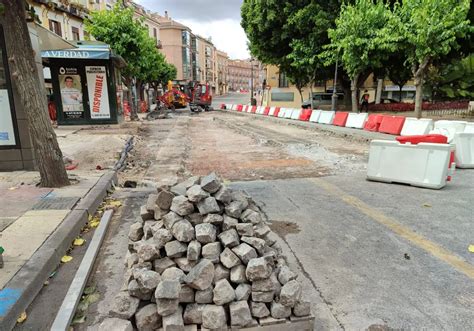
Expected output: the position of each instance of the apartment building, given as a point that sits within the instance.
(150, 20)
(222, 72)
(241, 73)
(177, 46)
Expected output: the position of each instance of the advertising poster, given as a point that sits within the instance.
(7, 133)
(71, 93)
(98, 92)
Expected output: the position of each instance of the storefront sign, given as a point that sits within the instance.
(7, 133)
(71, 93)
(76, 54)
(98, 92)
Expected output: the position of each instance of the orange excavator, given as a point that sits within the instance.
(173, 98)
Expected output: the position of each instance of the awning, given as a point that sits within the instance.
(85, 50)
(49, 40)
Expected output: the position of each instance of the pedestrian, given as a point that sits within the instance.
(365, 101)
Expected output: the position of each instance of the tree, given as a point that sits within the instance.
(429, 30)
(397, 70)
(32, 97)
(363, 37)
(130, 39)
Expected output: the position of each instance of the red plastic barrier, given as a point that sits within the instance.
(392, 124)
(266, 111)
(277, 110)
(240, 107)
(427, 138)
(222, 105)
(254, 109)
(340, 118)
(305, 114)
(373, 122)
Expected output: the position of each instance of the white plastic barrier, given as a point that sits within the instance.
(282, 112)
(357, 121)
(414, 126)
(423, 165)
(249, 109)
(315, 115)
(288, 113)
(272, 111)
(449, 128)
(228, 106)
(261, 110)
(464, 154)
(326, 117)
(469, 128)
(295, 115)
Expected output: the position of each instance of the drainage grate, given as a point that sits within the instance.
(56, 203)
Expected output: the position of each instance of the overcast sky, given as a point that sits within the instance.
(219, 19)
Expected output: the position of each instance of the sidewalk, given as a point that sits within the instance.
(38, 225)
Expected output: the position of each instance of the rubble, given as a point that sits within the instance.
(202, 255)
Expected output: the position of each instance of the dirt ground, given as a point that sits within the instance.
(185, 145)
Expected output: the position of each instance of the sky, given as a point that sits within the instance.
(218, 19)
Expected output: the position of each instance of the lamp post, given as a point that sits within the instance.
(252, 102)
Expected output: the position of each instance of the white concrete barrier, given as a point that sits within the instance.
(272, 111)
(449, 128)
(464, 154)
(423, 165)
(469, 128)
(326, 117)
(414, 126)
(282, 113)
(259, 110)
(356, 120)
(295, 115)
(315, 115)
(228, 106)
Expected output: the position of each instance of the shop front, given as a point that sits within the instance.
(86, 84)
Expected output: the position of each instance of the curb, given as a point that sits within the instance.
(359, 135)
(23, 288)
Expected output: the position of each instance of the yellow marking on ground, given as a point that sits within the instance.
(404, 232)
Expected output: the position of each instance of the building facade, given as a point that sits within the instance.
(150, 20)
(222, 72)
(241, 74)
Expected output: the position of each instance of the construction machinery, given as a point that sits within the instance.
(200, 97)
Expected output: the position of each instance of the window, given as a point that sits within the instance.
(283, 96)
(282, 80)
(75, 33)
(155, 34)
(55, 27)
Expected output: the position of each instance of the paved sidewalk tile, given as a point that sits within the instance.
(22, 238)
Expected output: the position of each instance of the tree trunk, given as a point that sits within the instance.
(355, 101)
(378, 96)
(400, 92)
(133, 100)
(300, 90)
(419, 97)
(419, 74)
(49, 157)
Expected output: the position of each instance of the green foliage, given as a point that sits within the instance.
(364, 36)
(265, 23)
(130, 39)
(454, 80)
(430, 29)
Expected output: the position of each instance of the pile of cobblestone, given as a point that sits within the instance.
(203, 255)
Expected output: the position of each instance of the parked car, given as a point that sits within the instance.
(322, 99)
(386, 100)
